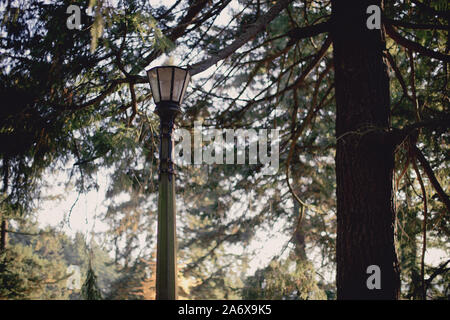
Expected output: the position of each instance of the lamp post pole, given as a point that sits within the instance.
(166, 260)
(168, 85)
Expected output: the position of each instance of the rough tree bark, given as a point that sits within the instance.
(364, 156)
(3, 218)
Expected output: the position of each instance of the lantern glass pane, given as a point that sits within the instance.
(178, 82)
(188, 77)
(154, 85)
(165, 82)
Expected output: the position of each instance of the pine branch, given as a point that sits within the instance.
(320, 54)
(297, 83)
(399, 135)
(308, 31)
(251, 32)
(99, 98)
(424, 229)
(398, 75)
(179, 30)
(431, 176)
(438, 271)
(133, 103)
(119, 53)
(410, 25)
(110, 88)
(414, 45)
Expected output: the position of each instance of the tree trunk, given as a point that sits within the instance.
(299, 210)
(3, 218)
(3, 234)
(364, 158)
(299, 233)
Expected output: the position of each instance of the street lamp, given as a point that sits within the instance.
(168, 85)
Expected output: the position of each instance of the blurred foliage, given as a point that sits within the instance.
(284, 280)
(35, 265)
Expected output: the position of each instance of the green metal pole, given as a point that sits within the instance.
(166, 260)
